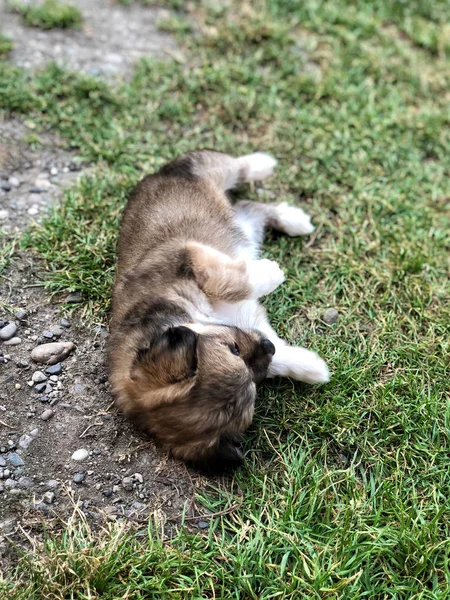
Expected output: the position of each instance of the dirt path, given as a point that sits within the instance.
(45, 417)
(111, 39)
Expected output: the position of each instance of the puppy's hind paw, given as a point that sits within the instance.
(293, 221)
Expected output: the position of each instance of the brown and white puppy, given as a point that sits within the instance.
(189, 340)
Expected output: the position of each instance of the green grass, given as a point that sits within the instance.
(49, 14)
(345, 493)
(6, 45)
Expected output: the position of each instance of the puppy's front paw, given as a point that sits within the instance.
(299, 364)
(265, 276)
(294, 221)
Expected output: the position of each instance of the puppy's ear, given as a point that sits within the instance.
(172, 356)
(224, 457)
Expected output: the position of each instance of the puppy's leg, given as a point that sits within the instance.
(289, 361)
(222, 278)
(254, 217)
(223, 170)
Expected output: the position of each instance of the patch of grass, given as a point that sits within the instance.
(6, 45)
(345, 491)
(50, 14)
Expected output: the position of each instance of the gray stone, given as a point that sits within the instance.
(48, 334)
(40, 387)
(47, 414)
(2, 462)
(330, 316)
(52, 353)
(74, 298)
(49, 497)
(57, 331)
(38, 377)
(79, 477)
(65, 323)
(80, 454)
(4, 214)
(54, 369)
(34, 432)
(51, 484)
(6, 187)
(15, 459)
(26, 482)
(14, 181)
(203, 524)
(25, 440)
(21, 315)
(10, 483)
(44, 399)
(8, 331)
(37, 190)
(15, 341)
(127, 484)
(138, 477)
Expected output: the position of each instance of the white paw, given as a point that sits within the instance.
(300, 364)
(294, 220)
(265, 276)
(257, 166)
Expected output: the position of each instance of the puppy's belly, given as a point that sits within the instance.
(246, 314)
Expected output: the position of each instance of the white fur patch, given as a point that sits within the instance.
(294, 220)
(257, 166)
(300, 364)
(265, 276)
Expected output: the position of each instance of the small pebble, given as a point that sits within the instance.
(15, 341)
(44, 399)
(54, 369)
(6, 187)
(4, 214)
(330, 316)
(65, 323)
(49, 497)
(54, 378)
(53, 171)
(21, 315)
(79, 477)
(48, 334)
(15, 459)
(127, 483)
(38, 377)
(33, 210)
(18, 386)
(40, 387)
(36, 190)
(14, 181)
(202, 524)
(2, 462)
(8, 331)
(57, 331)
(107, 492)
(80, 454)
(47, 414)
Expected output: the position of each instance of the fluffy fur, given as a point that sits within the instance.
(189, 340)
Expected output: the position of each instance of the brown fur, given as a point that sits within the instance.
(176, 257)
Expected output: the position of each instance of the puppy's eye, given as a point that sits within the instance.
(235, 349)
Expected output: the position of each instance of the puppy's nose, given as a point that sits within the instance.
(269, 348)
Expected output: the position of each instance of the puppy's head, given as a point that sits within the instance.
(193, 385)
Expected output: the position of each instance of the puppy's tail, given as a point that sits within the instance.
(223, 170)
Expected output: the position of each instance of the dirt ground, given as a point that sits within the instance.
(45, 421)
(111, 39)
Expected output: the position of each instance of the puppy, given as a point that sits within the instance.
(189, 340)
